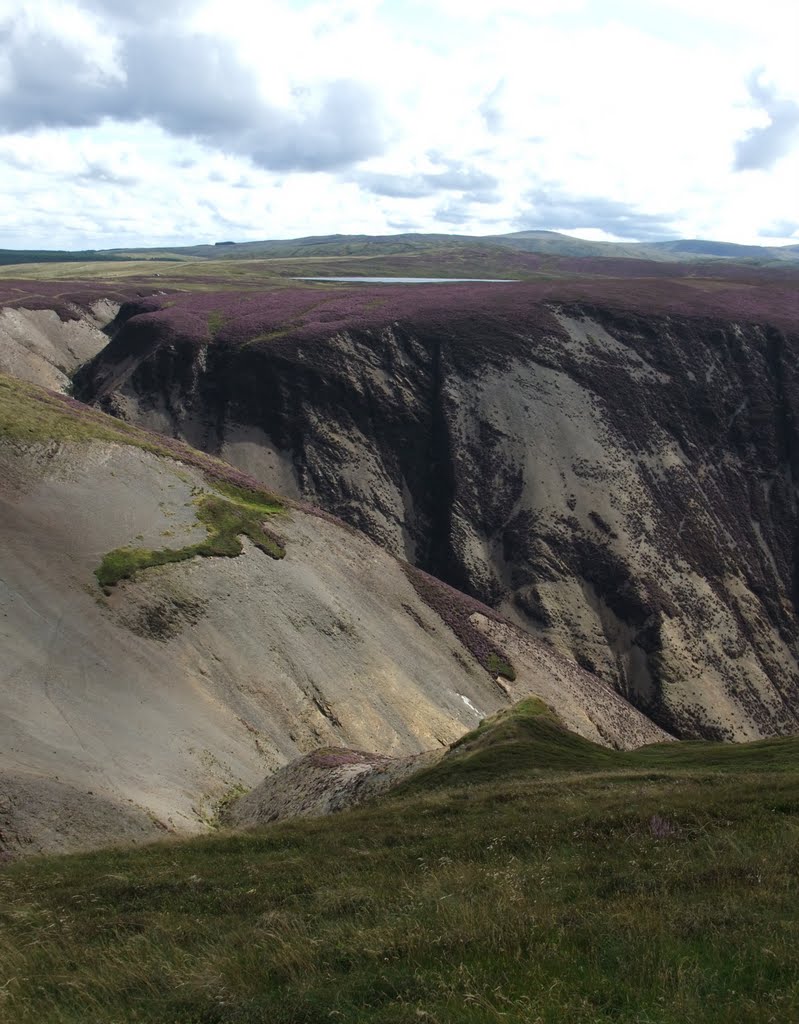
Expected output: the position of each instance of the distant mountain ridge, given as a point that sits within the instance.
(550, 243)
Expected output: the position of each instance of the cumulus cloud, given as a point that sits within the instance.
(455, 213)
(455, 177)
(551, 209)
(763, 146)
(138, 11)
(411, 116)
(404, 226)
(97, 173)
(781, 229)
(491, 108)
(190, 85)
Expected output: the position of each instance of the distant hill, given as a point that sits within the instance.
(679, 249)
(9, 257)
(546, 243)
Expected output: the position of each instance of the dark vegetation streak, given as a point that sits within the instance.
(438, 558)
(456, 609)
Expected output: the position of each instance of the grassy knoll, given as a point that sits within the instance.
(526, 739)
(529, 740)
(656, 888)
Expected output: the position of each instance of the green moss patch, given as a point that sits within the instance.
(499, 666)
(216, 321)
(240, 513)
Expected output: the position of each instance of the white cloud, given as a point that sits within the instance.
(357, 115)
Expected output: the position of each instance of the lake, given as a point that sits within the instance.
(412, 280)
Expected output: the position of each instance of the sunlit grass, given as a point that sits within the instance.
(619, 893)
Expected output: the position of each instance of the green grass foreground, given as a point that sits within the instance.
(658, 887)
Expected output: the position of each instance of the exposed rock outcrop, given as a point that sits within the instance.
(325, 781)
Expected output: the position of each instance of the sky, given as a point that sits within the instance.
(166, 122)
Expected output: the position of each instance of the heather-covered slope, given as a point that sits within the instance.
(134, 708)
(608, 461)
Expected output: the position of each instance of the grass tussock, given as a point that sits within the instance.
(499, 666)
(657, 887)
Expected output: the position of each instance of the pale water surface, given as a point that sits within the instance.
(412, 280)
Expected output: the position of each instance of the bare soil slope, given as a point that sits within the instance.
(39, 346)
(138, 709)
(325, 781)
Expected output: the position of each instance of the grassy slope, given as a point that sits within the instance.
(580, 894)
(29, 414)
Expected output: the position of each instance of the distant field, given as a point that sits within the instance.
(562, 882)
(762, 293)
(455, 263)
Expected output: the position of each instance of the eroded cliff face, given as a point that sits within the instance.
(621, 484)
(40, 346)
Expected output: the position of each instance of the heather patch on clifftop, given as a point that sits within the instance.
(67, 299)
(485, 314)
